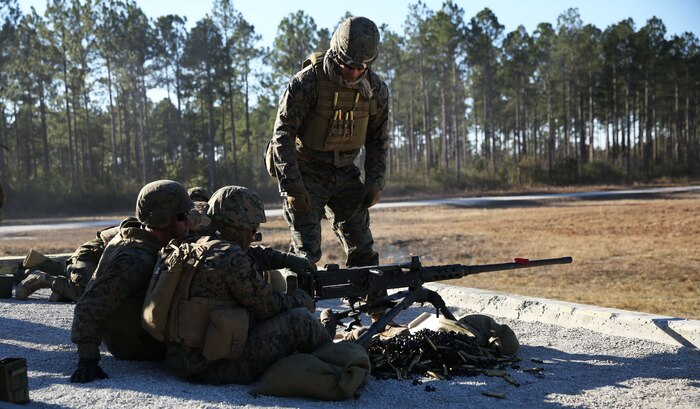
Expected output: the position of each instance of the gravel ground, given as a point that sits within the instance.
(581, 369)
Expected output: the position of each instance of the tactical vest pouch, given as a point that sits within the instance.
(192, 321)
(161, 289)
(226, 334)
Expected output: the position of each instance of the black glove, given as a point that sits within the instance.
(370, 196)
(299, 200)
(88, 370)
(298, 264)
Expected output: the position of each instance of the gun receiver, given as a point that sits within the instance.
(355, 283)
(334, 282)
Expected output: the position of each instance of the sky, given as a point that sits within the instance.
(679, 16)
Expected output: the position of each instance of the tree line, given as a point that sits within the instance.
(471, 104)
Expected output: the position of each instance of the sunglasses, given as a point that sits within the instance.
(181, 217)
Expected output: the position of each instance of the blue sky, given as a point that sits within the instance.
(678, 15)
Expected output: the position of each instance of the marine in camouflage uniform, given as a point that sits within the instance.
(230, 273)
(330, 110)
(110, 309)
(69, 282)
(199, 221)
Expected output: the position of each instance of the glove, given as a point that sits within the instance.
(88, 370)
(355, 334)
(370, 196)
(306, 300)
(299, 200)
(34, 281)
(298, 264)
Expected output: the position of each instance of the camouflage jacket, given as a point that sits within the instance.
(297, 101)
(89, 252)
(199, 221)
(229, 273)
(121, 278)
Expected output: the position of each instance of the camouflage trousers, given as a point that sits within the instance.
(335, 193)
(296, 330)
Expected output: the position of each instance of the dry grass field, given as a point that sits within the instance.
(638, 254)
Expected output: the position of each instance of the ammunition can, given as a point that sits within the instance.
(14, 386)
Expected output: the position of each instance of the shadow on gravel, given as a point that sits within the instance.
(573, 374)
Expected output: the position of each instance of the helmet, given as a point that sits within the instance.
(159, 200)
(237, 206)
(356, 42)
(199, 194)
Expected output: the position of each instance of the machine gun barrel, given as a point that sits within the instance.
(335, 282)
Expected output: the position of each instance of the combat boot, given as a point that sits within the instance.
(37, 261)
(63, 290)
(33, 282)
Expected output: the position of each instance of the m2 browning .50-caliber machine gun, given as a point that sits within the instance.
(355, 283)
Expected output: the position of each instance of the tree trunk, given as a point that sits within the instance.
(88, 145)
(443, 124)
(426, 121)
(232, 114)
(113, 130)
(590, 117)
(44, 131)
(71, 158)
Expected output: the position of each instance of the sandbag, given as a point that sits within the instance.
(335, 371)
(486, 330)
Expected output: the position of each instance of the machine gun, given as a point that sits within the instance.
(356, 283)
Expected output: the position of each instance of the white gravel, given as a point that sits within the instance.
(582, 368)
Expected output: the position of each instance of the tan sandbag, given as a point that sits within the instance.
(492, 334)
(486, 330)
(447, 325)
(335, 371)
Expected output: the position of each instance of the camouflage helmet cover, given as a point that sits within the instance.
(199, 194)
(356, 42)
(159, 200)
(237, 206)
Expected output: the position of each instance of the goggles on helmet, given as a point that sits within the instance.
(349, 62)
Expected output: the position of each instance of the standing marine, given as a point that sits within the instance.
(221, 322)
(109, 310)
(330, 110)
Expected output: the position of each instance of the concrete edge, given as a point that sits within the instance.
(609, 321)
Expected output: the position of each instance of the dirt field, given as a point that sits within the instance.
(639, 254)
